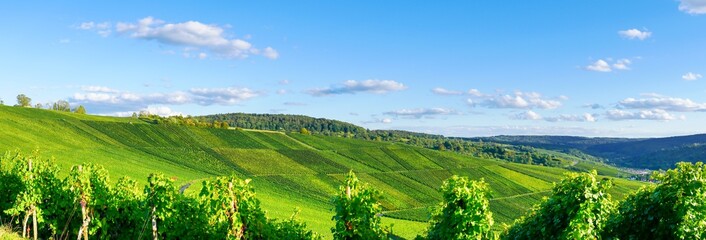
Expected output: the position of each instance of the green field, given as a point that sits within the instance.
(288, 170)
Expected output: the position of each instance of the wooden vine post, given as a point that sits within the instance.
(349, 225)
(233, 211)
(32, 210)
(154, 211)
(83, 231)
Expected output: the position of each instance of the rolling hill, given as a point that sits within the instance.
(288, 170)
(650, 153)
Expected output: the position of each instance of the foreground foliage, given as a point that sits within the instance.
(676, 209)
(464, 212)
(84, 205)
(578, 209)
(357, 211)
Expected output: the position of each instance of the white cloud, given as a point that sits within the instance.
(622, 64)
(635, 34)
(106, 100)
(203, 55)
(652, 114)
(353, 86)
(284, 82)
(281, 91)
(103, 29)
(270, 53)
(586, 117)
(691, 76)
(193, 35)
(593, 106)
(653, 101)
(693, 6)
(421, 112)
(294, 104)
(599, 66)
(163, 111)
(222, 96)
(474, 92)
(443, 91)
(378, 120)
(528, 115)
(608, 65)
(518, 100)
(98, 89)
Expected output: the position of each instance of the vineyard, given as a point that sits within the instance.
(288, 170)
(84, 204)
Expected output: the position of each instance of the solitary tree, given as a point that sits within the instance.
(304, 131)
(80, 110)
(2, 102)
(61, 105)
(24, 101)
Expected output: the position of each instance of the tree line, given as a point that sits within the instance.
(327, 127)
(84, 205)
(61, 105)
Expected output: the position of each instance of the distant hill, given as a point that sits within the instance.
(651, 153)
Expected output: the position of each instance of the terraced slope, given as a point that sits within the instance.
(288, 170)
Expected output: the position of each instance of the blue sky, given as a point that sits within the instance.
(463, 68)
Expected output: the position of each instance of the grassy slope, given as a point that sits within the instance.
(289, 171)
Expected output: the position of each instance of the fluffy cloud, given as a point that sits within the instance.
(654, 101)
(222, 96)
(270, 53)
(379, 120)
(609, 65)
(443, 91)
(192, 35)
(586, 117)
(531, 115)
(163, 111)
(528, 115)
(421, 112)
(294, 104)
(635, 34)
(691, 76)
(593, 106)
(653, 114)
(353, 87)
(622, 64)
(101, 89)
(517, 100)
(693, 6)
(599, 66)
(103, 29)
(105, 100)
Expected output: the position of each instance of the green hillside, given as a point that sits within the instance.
(288, 170)
(651, 153)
